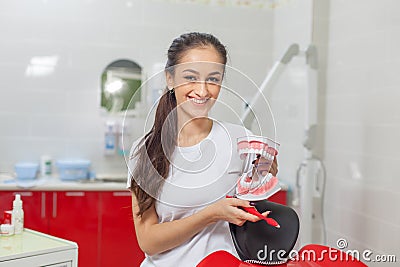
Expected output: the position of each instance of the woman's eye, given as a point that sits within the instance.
(190, 78)
(213, 80)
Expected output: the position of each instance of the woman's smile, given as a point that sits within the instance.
(198, 101)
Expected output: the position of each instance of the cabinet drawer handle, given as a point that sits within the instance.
(122, 194)
(43, 210)
(54, 204)
(75, 194)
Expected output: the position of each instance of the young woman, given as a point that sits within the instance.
(183, 168)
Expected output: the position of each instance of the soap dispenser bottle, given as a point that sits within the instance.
(17, 218)
(110, 146)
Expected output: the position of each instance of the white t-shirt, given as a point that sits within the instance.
(199, 175)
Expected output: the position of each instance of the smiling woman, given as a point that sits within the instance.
(182, 169)
(196, 83)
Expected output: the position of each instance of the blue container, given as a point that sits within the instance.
(72, 170)
(26, 170)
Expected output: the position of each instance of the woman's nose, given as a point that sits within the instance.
(201, 89)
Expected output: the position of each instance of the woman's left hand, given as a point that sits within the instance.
(264, 166)
(274, 167)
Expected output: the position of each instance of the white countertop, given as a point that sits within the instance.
(106, 182)
(31, 243)
(55, 184)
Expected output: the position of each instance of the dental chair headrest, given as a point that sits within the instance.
(262, 243)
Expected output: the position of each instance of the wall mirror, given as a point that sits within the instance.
(121, 81)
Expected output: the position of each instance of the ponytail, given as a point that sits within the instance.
(154, 152)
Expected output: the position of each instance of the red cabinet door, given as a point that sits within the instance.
(34, 206)
(75, 216)
(119, 246)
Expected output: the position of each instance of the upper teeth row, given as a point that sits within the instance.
(262, 152)
(198, 101)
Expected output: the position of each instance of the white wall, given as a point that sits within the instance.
(292, 24)
(359, 114)
(362, 125)
(59, 114)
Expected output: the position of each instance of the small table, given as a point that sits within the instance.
(33, 248)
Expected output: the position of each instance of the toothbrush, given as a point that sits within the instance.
(254, 211)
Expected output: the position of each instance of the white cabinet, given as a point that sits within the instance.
(35, 249)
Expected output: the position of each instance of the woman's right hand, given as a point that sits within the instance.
(228, 209)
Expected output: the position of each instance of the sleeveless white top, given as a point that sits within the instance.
(199, 175)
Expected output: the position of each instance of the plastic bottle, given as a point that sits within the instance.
(45, 166)
(124, 139)
(17, 218)
(110, 138)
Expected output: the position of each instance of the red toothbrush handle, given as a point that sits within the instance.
(254, 211)
(272, 222)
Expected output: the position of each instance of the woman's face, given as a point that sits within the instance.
(197, 81)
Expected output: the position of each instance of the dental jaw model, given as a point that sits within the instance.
(256, 183)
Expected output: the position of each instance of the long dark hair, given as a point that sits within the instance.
(152, 158)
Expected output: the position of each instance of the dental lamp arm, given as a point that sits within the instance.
(269, 81)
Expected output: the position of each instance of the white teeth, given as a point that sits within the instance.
(245, 184)
(262, 152)
(199, 101)
(252, 150)
(252, 183)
